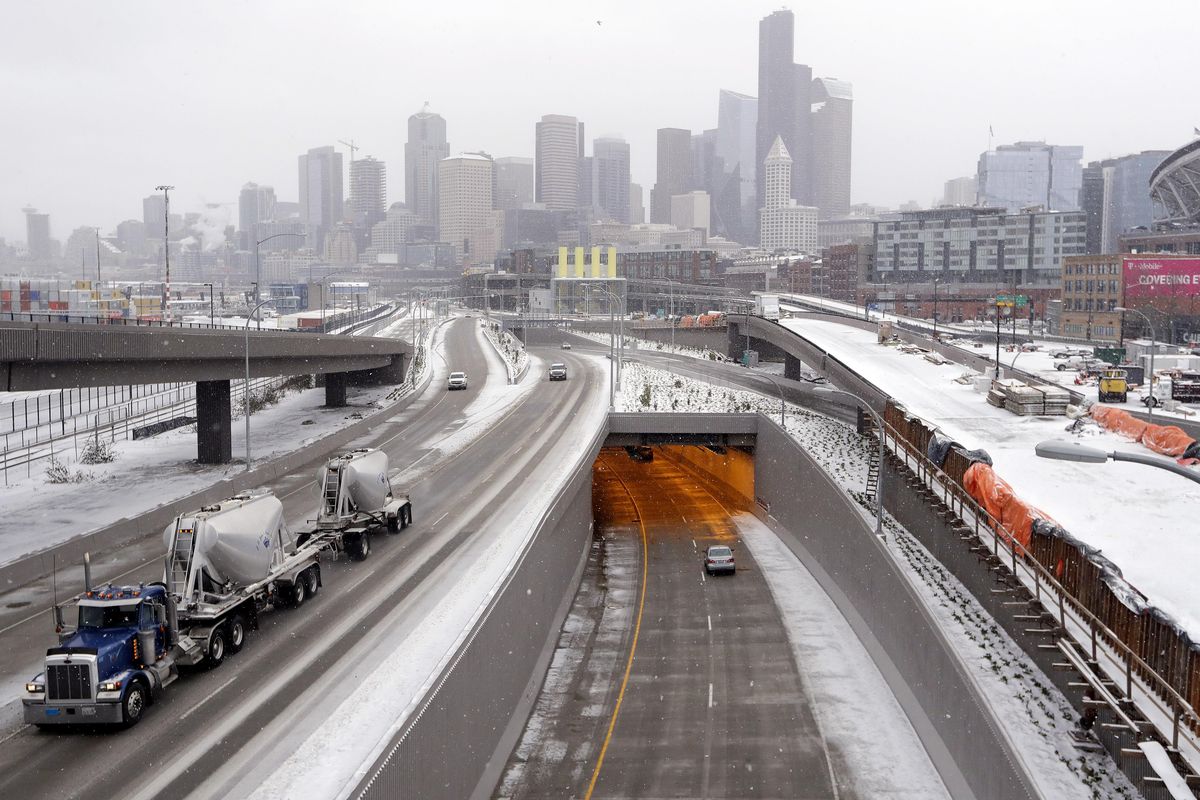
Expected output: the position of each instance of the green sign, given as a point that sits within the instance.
(1018, 300)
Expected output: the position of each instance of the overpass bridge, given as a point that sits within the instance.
(39, 355)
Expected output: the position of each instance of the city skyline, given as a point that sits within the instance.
(1041, 94)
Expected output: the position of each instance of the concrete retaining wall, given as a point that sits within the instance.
(458, 742)
(820, 524)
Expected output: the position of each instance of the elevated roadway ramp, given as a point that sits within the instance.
(56, 355)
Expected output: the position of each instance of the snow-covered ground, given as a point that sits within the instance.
(1040, 363)
(160, 469)
(508, 347)
(1033, 712)
(633, 344)
(858, 714)
(1141, 518)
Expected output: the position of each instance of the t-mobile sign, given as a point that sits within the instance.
(1162, 277)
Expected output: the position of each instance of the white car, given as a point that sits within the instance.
(457, 380)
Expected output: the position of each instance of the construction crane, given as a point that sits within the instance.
(353, 148)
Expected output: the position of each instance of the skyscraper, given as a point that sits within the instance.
(154, 215)
(368, 191)
(514, 182)
(425, 148)
(1016, 176)
(611, 168)
(674, 171)
(783, 224)
(37, 235)
(784, 90)
(832, 117)
(1116, 198)
(557, 155)
(255, 204)
(465, 206)
(637, 207)
(692, 211)
(736, 206)
(321, 197)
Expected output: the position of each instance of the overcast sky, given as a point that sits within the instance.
(103, 101)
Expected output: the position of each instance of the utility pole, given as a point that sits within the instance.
(166, 190)
(97, 256)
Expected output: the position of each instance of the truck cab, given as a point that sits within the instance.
(107, 668)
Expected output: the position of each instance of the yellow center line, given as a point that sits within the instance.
(637, 627)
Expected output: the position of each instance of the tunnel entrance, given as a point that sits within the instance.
(671, 678)
(724, 470)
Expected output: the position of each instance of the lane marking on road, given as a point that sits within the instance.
(488, 477)
(694, 545)
(207, 697)
(702, 576)
(710, 702)
(710, 622)
(439, 519)
(14, 733)
(637, 629)
(519, 448)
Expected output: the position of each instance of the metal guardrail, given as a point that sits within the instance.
(116, 427)
(1100, 641)
(1023, 564)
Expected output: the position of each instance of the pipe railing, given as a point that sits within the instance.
(1017, 557)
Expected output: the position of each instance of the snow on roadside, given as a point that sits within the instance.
(654, 346)
(1031, 709)
(153, 471)
(516, 357)
(329, 761)
(856, 710)
(160, 469)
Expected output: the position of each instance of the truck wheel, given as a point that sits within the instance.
(134, 703)
(312, 580)
(218, 643)
(393, 524)
(299, 592)
(360, 547)
(237, 633)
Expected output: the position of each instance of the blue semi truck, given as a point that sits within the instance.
(225, 564)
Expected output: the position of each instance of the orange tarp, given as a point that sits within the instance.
(998, 499)
(1168, 440)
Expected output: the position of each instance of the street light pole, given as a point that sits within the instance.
(246, 385)
(779, 389)
(1069, 451)
(166, 190)
(879, 486)
(98, 287)
(1151, 400)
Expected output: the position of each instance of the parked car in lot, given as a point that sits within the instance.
(719, 558)
(1068, 352)
(457, 380)
(1085, 363)
(558, 372)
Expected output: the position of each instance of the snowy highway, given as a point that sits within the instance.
(221, 733)
(671, 683)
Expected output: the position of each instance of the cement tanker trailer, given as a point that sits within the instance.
(225, 564)
(356, 499)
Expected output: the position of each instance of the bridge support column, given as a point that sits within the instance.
(792, 367)
(214, 426)
(335, 389)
